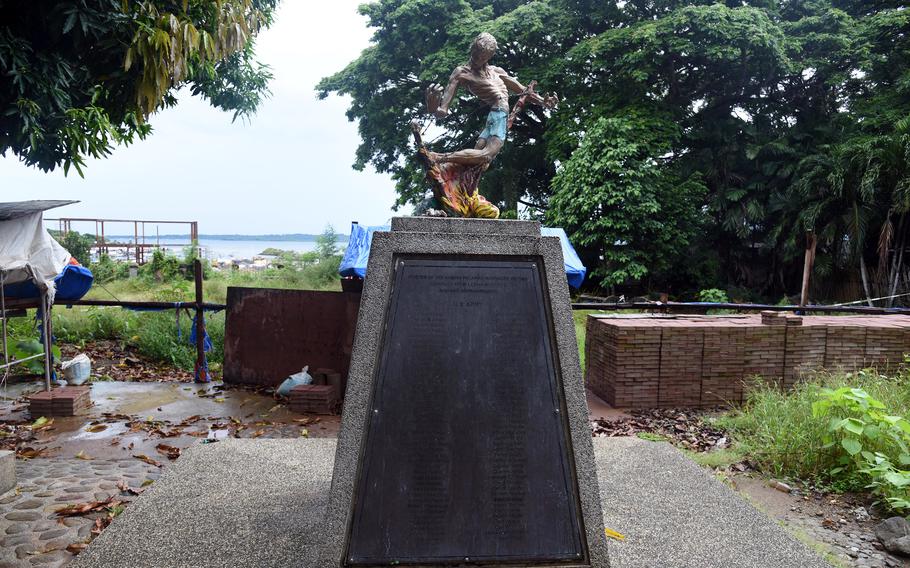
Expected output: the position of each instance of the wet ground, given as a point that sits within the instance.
(134, 418)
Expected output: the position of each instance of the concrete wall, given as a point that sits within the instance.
(666, 361)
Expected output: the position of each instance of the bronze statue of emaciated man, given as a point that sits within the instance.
(455, 174)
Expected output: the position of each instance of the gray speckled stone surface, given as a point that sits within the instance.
(368, 339)
(259, 503)
(7, 471)
(674, 514)
(466, 226)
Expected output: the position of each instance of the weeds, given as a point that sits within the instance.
(842, 431)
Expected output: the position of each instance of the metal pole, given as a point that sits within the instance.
(200, 324)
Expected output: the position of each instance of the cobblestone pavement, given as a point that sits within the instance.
(30, 532)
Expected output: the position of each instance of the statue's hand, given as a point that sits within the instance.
(551, 100)
(434, 97)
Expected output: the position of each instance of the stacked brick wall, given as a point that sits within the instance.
(680, 366)
(710, 360)
(722, 366)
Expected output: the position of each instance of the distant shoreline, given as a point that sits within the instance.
(291, 237)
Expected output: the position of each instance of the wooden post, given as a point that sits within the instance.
(202, 375)
(811, 242)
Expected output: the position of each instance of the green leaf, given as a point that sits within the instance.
(852, 445)
(854, 426)
(898, 479)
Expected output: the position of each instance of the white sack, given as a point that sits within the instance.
(28, 252)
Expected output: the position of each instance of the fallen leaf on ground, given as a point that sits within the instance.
(304, 432)
(614, 535)
(116, 440)
(96, 428)
(257, 433)
(171, 452)
(146, 459)
(29, 453)
(76, 548)
(43, 421)
(219, 400)
(83, 456)
(79, 509)
(122, 486)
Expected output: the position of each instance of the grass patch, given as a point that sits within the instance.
(718, 459)
(779, 433)
(155, 335)
(652, 437)
(580, 317)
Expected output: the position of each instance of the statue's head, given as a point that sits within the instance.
(483, 49)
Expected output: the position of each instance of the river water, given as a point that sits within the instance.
(218, 249)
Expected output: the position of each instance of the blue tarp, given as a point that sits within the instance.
(354, 262)
(71, 284)
(575, 270)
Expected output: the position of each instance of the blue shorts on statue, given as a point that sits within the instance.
(496, 124)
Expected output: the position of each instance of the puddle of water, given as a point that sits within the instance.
(109, 432)
(220, 434)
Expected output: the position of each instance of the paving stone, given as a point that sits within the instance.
(85, 531)
(102, 496)
(107, 485)
(23, 516)
(74, 521)
(46, 525)
(14, 540)
(24, 551)
(55, 557)
(10, 499)
(29, 504)
(44, 494)
(17, 528)
(54, 533)
(71, 498)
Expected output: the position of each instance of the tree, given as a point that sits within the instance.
(612, 195)
(81, 76)
(79, 245)
(327, 243)
(701, 133)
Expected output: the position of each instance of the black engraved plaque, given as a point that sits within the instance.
(467, 449)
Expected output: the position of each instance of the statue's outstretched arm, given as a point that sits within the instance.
(512, 83)
(438, 101)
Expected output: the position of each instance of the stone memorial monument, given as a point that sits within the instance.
(465, 436)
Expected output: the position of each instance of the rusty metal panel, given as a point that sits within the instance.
(271, 333)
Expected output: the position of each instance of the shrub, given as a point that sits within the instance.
(713, 295)
(78, 245)
(844, 430)
(868, 440)
(107, 270)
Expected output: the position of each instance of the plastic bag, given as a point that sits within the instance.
(77, 370)
(297, 379)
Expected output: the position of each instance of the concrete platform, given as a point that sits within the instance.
(7, 470)
(259, 503)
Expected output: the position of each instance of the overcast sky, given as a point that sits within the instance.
(288, 170)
